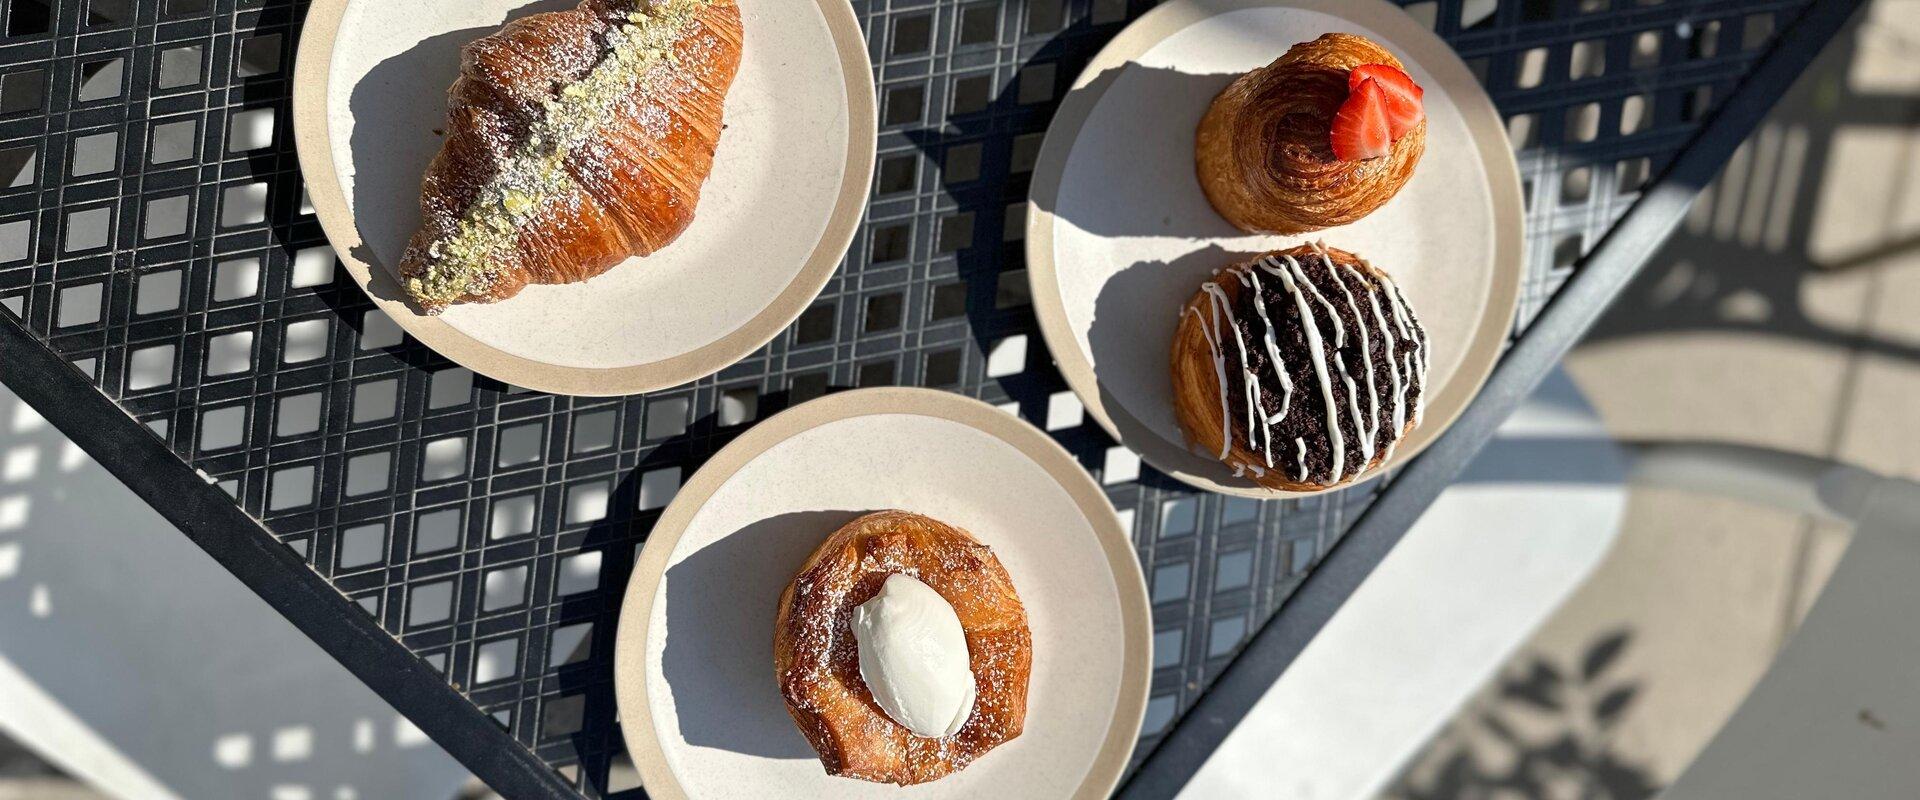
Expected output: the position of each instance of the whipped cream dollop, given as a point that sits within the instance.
(913, 656)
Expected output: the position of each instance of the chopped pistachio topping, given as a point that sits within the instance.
(468, 261)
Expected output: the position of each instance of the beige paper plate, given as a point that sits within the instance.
(693, 660)
(788, 186)
(1119, 234)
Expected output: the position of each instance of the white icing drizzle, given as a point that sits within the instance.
(1393, 368)
(1249, 383)
(1219, 371)
(1395, 318)
(1222, 304)
(1411, 329)
(1273, 348)
(1369, 427)
(1399, 322)
(1339, 328)
(1250, 281)
(1317, 349)
(1353, 404)
(1339, 343)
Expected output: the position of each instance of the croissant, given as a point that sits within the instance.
(1301, 369)
(574, 140)
(1263, 151)
(818, 667)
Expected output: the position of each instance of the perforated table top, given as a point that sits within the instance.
(154, 238)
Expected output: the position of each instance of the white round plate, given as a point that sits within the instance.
(788, 186)
(693, 658)
(1119, 235)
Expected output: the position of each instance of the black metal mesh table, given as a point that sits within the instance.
(462, 545)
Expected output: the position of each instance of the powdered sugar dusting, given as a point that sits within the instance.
(819, 659)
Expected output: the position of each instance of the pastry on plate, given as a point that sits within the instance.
(574, 141)
(1300, 369)
(902, 650)
(1320, 137)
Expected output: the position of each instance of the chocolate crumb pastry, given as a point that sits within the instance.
(1300, 369)
(1321, 137)
(902, 651)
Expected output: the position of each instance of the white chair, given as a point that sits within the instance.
(1837, 715)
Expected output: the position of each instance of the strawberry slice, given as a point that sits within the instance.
(1404, 109)
(1360, 126)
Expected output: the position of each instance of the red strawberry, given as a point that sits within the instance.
(1360, 126)
(1404, 109)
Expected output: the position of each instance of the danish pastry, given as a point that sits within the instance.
(575, 140)
(1301, 369)
(1321, 137)
(824, 650)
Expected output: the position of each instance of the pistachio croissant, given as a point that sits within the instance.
(575, 140)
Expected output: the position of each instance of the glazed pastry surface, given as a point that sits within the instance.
(1263, 152)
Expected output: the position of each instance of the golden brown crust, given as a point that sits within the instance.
(1264, 154)
(634, 185)
(1196, 387)
(818, 668)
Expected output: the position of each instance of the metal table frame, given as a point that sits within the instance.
(208, 515)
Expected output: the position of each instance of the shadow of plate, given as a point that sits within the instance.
(721, 605)
(1132, 333)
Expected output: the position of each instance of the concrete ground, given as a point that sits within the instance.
(1786, 314)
